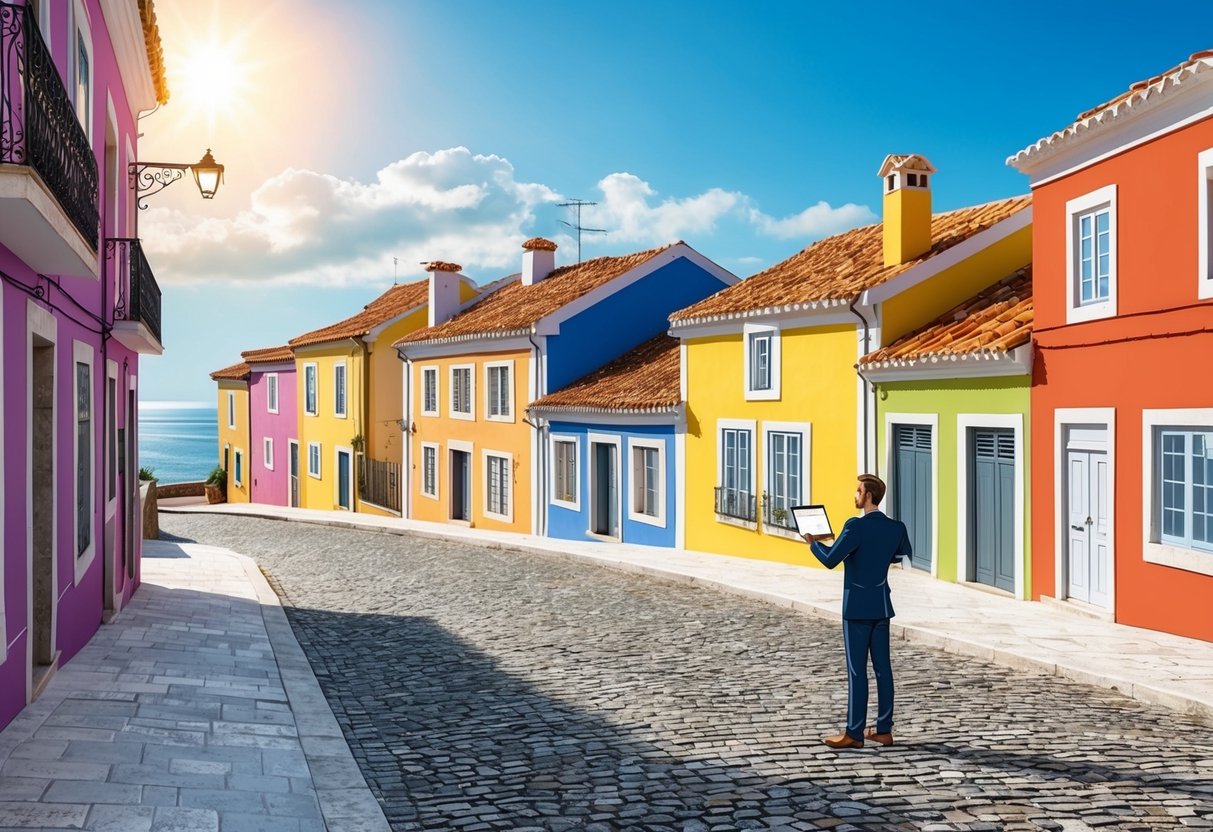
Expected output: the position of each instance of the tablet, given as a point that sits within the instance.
(811, 520)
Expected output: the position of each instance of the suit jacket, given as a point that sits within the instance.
(866, 547)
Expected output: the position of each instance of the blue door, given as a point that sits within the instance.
(343, 479)
(912, 488)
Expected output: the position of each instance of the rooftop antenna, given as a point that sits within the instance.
(579, 204)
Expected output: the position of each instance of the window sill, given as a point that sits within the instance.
(500, 518)
(505, 419)
(647, 519)
(433, 413)
(762, 395)
(1190, 560)
(429, 496)
(752, 525)
(780, 531)
(463, 417)
(566, 505)
(1091, 311)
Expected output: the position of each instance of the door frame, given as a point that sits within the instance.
(964, 463)
(469, 486)
(593, 439)
(338, 450)
(41, 324)
(891, 420)
(1063, 419)
(292, 447)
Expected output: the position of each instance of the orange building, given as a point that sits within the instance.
(1122, 407)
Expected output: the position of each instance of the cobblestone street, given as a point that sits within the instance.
(483, 689)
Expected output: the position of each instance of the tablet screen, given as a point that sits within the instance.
(811, 520)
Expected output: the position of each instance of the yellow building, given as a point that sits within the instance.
(234, 429)
(777, 414)
(349, 392)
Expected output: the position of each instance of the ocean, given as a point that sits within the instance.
(179, 441)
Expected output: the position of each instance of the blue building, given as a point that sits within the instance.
(615, 443)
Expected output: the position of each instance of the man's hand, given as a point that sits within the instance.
(813, 538)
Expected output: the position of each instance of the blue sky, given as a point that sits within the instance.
(354, 132)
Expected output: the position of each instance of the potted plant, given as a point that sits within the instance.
(215, 485)
(146, 474)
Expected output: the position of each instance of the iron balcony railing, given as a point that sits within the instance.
(777, 514)
(738, 504)
(38, 124)
(138, 294)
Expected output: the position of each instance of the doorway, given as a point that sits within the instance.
(343, 480)
(293, 473)
(42, 508)
(1087, 532)
(134, 507)
(913, 489)
(604, 489)
(461, 485)
(991, 507)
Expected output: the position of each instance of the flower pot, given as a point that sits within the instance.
(214, 494)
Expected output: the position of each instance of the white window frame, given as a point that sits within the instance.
(1077, 312)
(1204, 282)
(1153, 550)
(489, 366)
(271, 387)
(508, 458)
(231, 409)
(749, 331)
(636, 444)
(470, 415)
(805, 429)
(736, 424)
(238, 466)
(431, 371)
(319, 460)
(437, 449)
(79, 29)
(82, 353)
(574, 440)
(111, 441)
(311, 369)
(267, 453)
(341, 389)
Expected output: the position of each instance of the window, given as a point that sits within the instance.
(239, 469)
(1185, 487)
(762, 362)
(1091, 256)
(497, 486)
(497, 381)
(462, 392)
(564, 471)
(313, 459)
(309, 389)
(84, 83)
(231, 410)
(785, 473)
(735, 493)
(1205, 220)
(84, 456)
(429, 391)
(268, 453)
(429, 470)
(111, 415)
(647, 487)
(339, 389)
(271, 392)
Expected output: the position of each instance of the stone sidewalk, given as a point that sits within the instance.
(1150, 666)
(194, 709)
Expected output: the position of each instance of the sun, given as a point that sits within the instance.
(214, 78)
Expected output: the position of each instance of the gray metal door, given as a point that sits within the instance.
(992, 507)
(912, 488)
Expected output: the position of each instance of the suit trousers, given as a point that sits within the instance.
(864, 638)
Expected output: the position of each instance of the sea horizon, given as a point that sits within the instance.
(178, 440)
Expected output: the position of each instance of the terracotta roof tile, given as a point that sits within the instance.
(442, 266)
(997, 319)
(646, 378)
(839, 268)
(516, 307)
(268, 355)
(236, 372)
(155, 51)
(393, 302)
(539, 243)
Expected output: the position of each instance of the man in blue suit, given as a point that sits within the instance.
(868, 545)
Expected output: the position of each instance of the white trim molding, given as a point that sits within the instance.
(488, 389)
(736, 424)
(751, 332)
(1204, 184)
(338, 450)
(964, 423)
(315, 372)
(267, 453)
(42, 324)
(341, 392)
(643, 443)
(1076, 311)
(931, 420)
(83, 353)
(271, 383)
(1063, 419)
(976, 364)
(508, 458)
(431, 369)
(318, 473)
(592, 439)
(437, 449)
(238, 467)
(470, 414)
(1153, 550)
(574, 440)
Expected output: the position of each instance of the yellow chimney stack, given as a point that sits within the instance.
(906, 181)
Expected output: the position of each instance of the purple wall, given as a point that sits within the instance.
(271, 486)
(75, 304)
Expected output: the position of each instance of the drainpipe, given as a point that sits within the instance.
(406, 470)
(864, 382)
(359, 421)
(540, 453)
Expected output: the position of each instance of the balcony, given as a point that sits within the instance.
(137, 299)
(736, 504)
(49, 214)
(777, 513)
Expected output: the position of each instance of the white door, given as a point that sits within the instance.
(1087, 530)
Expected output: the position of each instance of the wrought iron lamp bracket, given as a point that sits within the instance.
(149, 178)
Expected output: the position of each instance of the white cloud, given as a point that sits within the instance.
(313, 228)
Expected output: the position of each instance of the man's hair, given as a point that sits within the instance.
(874, 485)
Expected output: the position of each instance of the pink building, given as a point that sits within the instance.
(273, 426)
(78, 306)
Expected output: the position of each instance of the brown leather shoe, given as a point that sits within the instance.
(883, 739)
(843, 740)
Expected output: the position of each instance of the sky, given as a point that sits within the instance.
(363, 137)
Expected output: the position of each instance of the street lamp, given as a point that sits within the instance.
(148, 178)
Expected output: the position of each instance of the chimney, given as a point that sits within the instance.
(538, 260)
(444, 290)
(907, 207)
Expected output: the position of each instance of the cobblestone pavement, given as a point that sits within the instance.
(483, 689)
